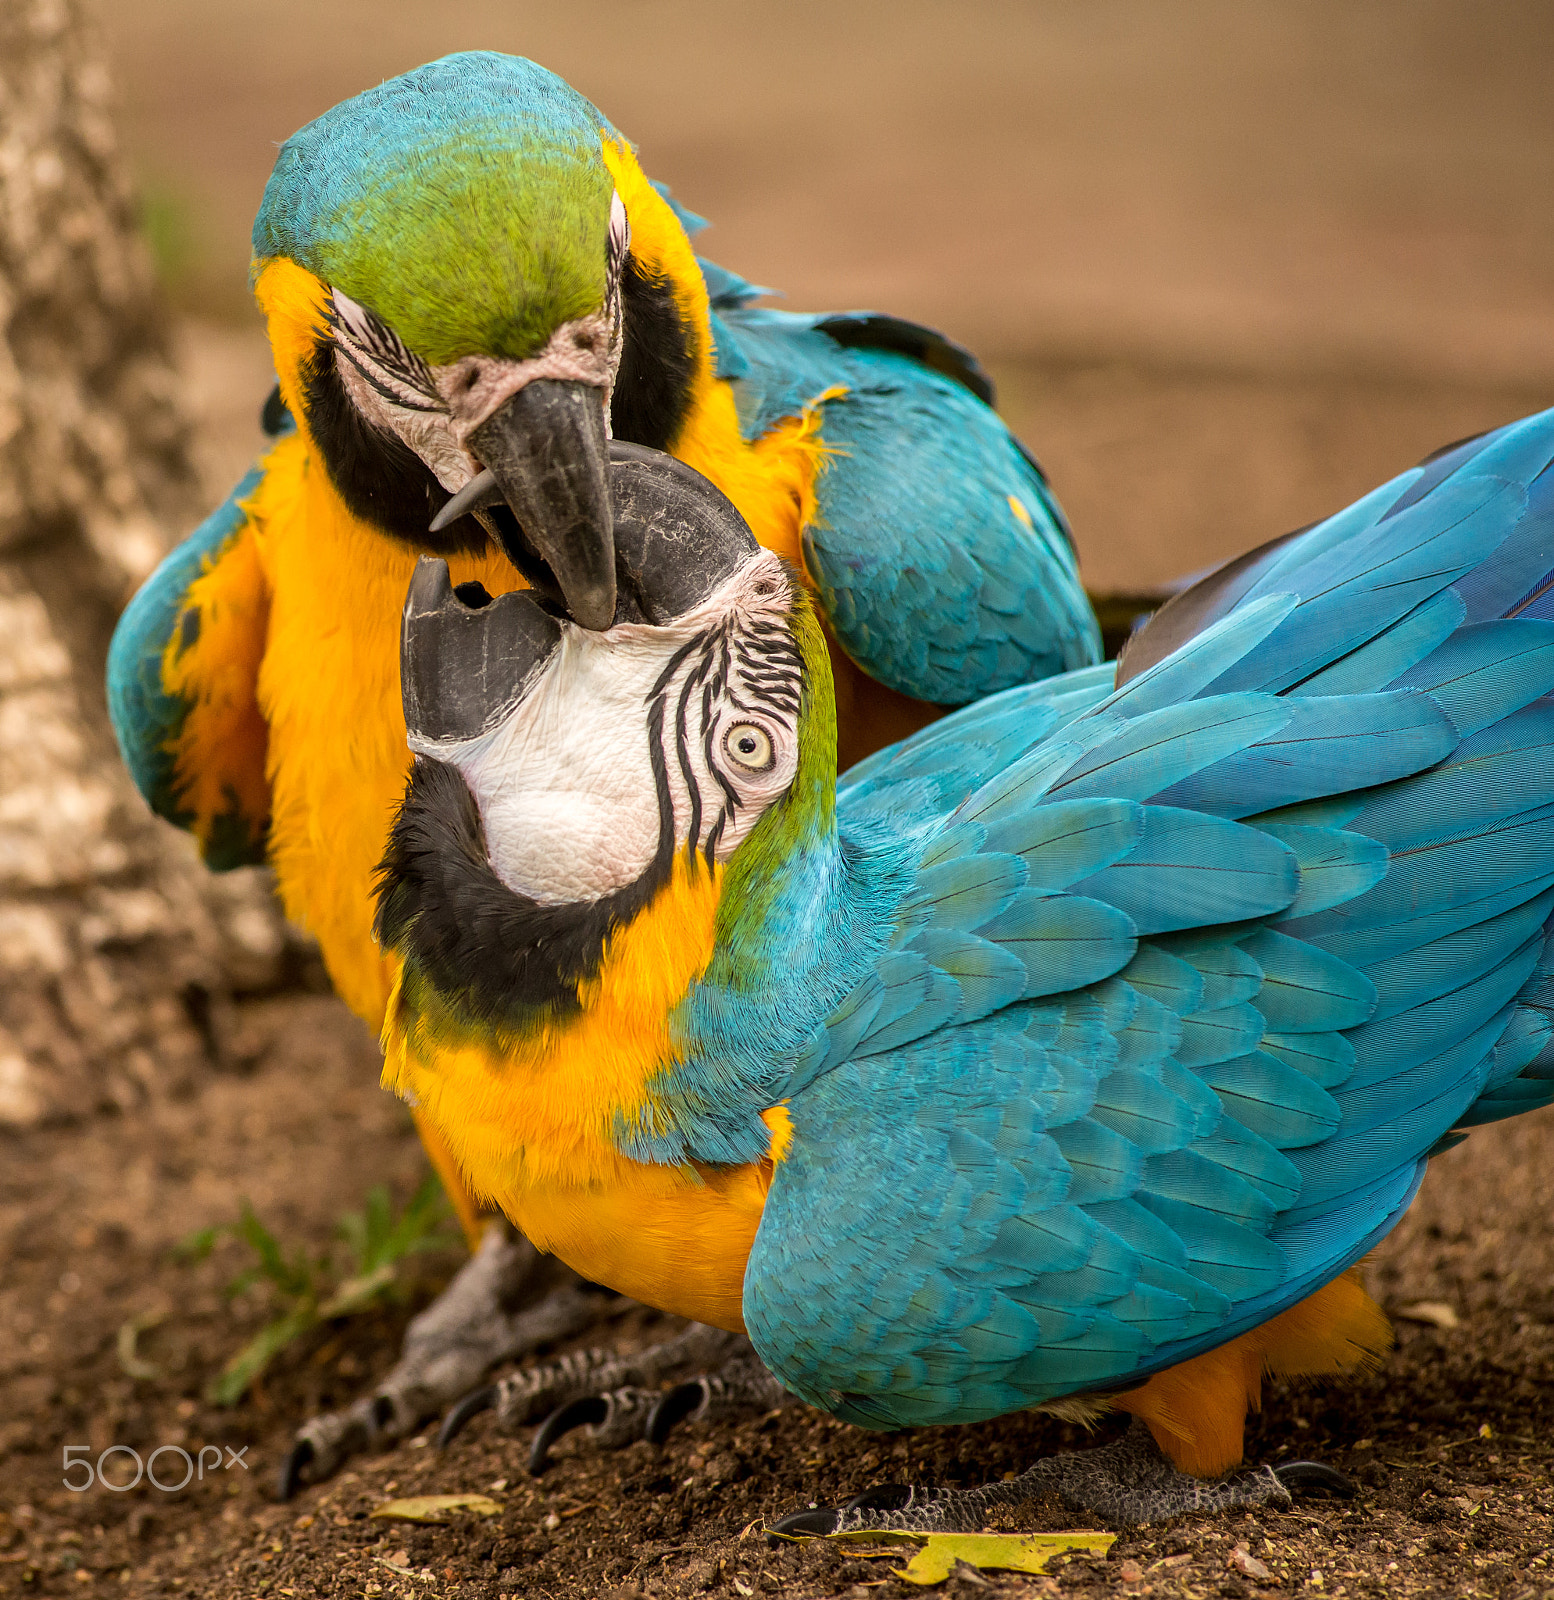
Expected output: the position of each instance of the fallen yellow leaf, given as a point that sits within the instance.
(437, 1507)
(1004, 1552)
(937, 1553)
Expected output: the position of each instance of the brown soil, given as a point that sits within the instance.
(1452, 1444)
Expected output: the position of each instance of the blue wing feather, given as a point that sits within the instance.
(1392, 652)
(1484, 672)
(1335, 865)
(1235, 1042)
(1345, 741)
(146, 718)
(941, 557)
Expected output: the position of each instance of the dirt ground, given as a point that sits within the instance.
(1452, 1443)
(106, 1339)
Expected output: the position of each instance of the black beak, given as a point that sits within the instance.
(544, 451)
(677, 535)
(465, 660)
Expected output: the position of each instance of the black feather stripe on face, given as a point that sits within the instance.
(766, 665)
(380, 478)
(357, 330)
(376, 384)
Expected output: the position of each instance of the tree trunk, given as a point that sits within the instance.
(117, 950)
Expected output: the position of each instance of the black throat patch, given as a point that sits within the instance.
(497, 958)
(380, 478)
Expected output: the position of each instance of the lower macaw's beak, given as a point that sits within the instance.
(677, 535)
(544, 451)
(467, 660)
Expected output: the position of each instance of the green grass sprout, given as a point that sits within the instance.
(308, 1290)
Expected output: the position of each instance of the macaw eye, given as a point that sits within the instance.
(748, 746)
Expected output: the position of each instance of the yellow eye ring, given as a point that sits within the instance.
(749, 746)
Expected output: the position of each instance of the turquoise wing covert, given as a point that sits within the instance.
(1184, 992)
(148, 718)
(942, 559)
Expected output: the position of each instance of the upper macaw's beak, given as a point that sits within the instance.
(467, 660)
(544, 455)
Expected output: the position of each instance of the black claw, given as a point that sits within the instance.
(818, 1521)
(476, 1401)
(673, 1409)
(292, 1467)
(590, 1411)
(1301, 1477)
(881, 1497)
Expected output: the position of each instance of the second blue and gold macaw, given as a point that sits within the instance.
(470, 285)
(1069, 1054)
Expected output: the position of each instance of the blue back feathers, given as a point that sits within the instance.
(1184, 980)
(943, 561)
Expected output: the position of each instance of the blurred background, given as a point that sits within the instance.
(1232, 263)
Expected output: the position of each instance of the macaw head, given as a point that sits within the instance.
(457, 308)
(568, 779)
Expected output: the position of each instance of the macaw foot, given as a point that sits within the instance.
(481, 1318)
(620, 1398)
(1124, 1484)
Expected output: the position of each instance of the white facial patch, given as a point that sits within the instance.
(691, 728)
(395, 390)
(620, 236)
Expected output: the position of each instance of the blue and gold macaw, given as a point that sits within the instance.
(1070, 1053)
(470, 285)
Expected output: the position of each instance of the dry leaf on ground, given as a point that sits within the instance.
(437, 1507)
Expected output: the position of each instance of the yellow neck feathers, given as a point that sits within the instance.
(530, 1119)
(529, 1125)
